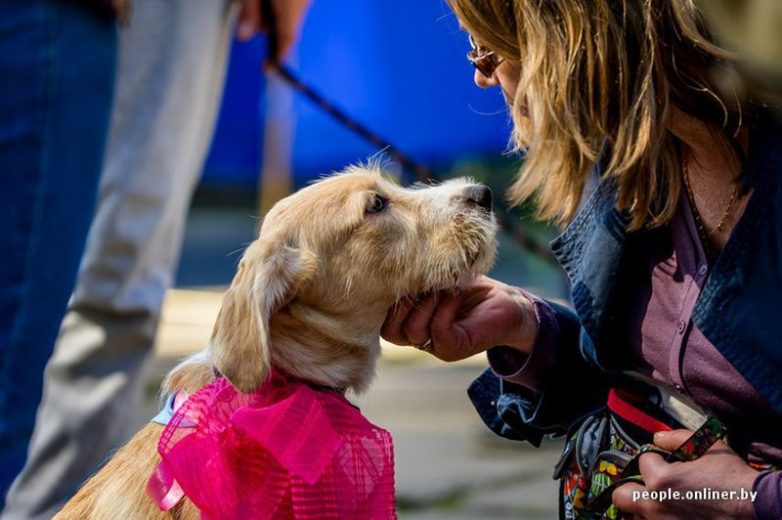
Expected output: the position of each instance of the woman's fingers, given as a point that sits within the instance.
(409, 322)
(288, 19)
(249, 20)
(457, 323)
(448, 339)
(416, 325)
(626, 499)
(395, 320)
(290, 16)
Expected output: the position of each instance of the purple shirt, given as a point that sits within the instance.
(669, 272)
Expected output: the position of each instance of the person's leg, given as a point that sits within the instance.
(56, 82)
(172, 63)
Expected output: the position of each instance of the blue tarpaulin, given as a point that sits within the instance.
(398, 67)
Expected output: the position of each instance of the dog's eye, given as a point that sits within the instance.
(378, 204)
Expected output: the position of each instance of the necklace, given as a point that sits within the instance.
(708, 243)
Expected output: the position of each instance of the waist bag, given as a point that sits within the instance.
(602, 451)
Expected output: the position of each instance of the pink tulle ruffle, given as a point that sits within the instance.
(285, 451)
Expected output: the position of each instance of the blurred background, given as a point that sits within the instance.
(399, 68)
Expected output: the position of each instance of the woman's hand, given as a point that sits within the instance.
(289, 16)
(463, 322)
(719, 469)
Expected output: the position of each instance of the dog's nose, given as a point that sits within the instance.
(480, 195)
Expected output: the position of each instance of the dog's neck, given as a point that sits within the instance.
(335, 350)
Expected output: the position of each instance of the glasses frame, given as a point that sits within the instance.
(485, 61)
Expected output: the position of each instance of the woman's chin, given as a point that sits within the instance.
(509, 101)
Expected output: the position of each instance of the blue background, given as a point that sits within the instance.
(398, 67)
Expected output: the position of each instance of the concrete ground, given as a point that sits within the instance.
(448, 465)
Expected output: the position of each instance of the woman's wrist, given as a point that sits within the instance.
(525, 335)
(528, 357)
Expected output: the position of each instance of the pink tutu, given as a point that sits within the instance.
(285, 451)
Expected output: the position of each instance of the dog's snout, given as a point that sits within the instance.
(480, 195)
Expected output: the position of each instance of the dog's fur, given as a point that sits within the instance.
(309, 297)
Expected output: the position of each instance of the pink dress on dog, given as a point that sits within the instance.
(285, 451)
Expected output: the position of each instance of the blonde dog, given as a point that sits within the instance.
(309, 298)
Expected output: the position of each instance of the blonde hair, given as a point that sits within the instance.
(600, 76)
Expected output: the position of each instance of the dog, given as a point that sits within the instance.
(308, 299)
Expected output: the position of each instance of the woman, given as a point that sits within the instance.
(675, 260)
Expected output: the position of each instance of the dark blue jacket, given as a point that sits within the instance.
(739, 309)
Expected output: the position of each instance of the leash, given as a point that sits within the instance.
(422, 173)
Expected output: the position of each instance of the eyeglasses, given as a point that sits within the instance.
(482, 59)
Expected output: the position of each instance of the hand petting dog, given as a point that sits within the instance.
(465, 321)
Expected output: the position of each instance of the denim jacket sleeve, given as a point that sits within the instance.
(589, 251)
(571, 389)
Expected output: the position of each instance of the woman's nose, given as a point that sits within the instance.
(484, 82)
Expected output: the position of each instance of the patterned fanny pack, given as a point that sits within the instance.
(602, 451)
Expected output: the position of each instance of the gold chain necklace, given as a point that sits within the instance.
(708, 243)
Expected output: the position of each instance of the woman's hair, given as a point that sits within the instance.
(601, 76)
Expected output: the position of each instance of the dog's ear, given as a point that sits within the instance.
(267, 279)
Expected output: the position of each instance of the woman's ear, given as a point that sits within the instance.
(268, 277)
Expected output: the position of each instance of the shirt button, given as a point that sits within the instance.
(702, 270)
(680, 326)
(678, 387)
